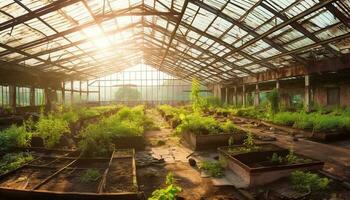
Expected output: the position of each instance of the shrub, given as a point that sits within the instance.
(285, 118)
(170, 192)
(51, 129)
(15, 136)
(214, 168)
(308, 182)
(198, 125)
(228, 127)
(12, 161)
(90, 175)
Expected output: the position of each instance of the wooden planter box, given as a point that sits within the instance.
(255, 169)
(130, 142)
(207, 142)
(59, 177)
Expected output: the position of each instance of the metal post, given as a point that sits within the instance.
(235, 98)
(307, 94)
(12, 91)
(243, 95)
(32, 96)
(257, 95)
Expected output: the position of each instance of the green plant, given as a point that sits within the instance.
(12, 161)
(214, 168)
(90, 175)
(228, 127)
(170, 192)
(276, 159)
(197, 100)
(308, 182)
(51, 129)
(198, 124)
(15, 136)
(291, 158)
(249, 141)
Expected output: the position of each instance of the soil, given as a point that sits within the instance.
(120, 176)
(26, 178)
(69, 180)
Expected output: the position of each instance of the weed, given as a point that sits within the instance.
(90, 175)
(12, 161)
(308, 182)
(214, 168)
(170, 192)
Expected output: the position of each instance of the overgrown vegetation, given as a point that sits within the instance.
(12, 161)
(197, 100)
(214, 168)
(170, 191)
(50, 129)
(15, 136)
(308, 182)
(248, 145)
(98, 139)
(90, 175)
(290, 158)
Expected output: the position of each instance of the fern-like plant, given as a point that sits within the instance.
(169, 192)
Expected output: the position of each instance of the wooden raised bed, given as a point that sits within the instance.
(130, 142)
(330, 136)
(58, 177)
(255, 167)
(207, 142)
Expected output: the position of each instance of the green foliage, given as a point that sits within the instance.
(90, 175)
(198, 124)
(308, 182)
(51, 129)
(291, 158)
(169, 192)
(214, 168)
(276, 159)
(98, 139)
(273, 98)
(285, 118)
(228, 127)
(15, 136)
(197, 100)
(250, 112)
(249, 141)
(315, 121)
(12, 161)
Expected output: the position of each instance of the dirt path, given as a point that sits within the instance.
(162, 145)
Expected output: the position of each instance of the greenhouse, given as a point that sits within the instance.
(175, 99)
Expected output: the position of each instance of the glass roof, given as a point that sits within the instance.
(213, 40)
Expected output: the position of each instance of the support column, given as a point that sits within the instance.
(32, 96)
(80, 91)
(226, 95)
(99, 92)
(307, 94)
(63, 93)
(235, 98)
(12, 91)
(277, 85)
(243, 95)
(71, 92)
(87, 91)
(47, 97)
(257, 95)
